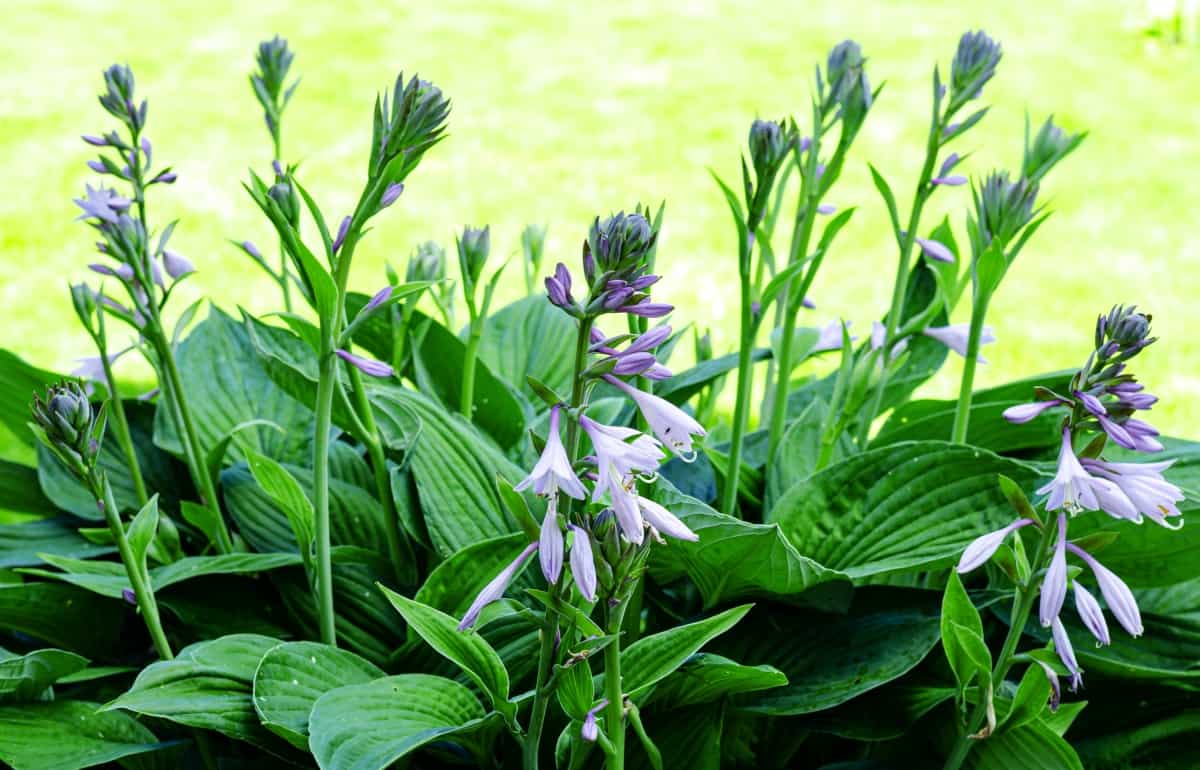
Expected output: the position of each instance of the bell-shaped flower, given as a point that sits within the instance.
(583, 564)
(1072, 486)
(1054, 584)
(1117, 595)
(495, 589)
(625, 508)
(1066, 653)
(673, 426)
(553, 471)
(981, 548)
(1143, 484)
(663, 521)
(1023, 413)
(956, 337)
(616, 456)
(1091, 614)
(550, 543)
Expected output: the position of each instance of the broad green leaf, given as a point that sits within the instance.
(707, 677)
(291, 677)
(737, 559)
(223, 396)
(25, 677)
(934, 418)
(1030, 701)
(468, 650)
(207, 686)
(63, 616)
(19, 491)
(1030, 746)
(454, 583)
(161, 472)
(20, 544)
(885, 713)
(287, 493)
(438, 357)
(225, 604)
(1158, 733)
(515, 347)
(18, 382)
(830, 658)
(962, 637)
(905, 507)
(689, 382)
(576, 690)
(141, 532)
(370, 726)
(1148, 555)
(796, 457)
(216, 454)
(687, 738)
(69, 734)
(652, 658)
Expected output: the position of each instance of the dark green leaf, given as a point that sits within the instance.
(68, 734)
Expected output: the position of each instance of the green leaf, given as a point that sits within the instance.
(467, 650)
(291, 677)
(990, 268)
(653, 657)
(905, 507)
(438, 357)
(216, 455)
(885, 191)
(514, 346)
(830, 658)
(962, 638)
(20, 544)
(370, 726)
(141, 532)
(287, 492)
(885, 713)
(25, 677)
(20, 493)
(688, 738)
(1030, 746)
(69, 734)
(1031, 699)
(207, 686)
(796, 457)
(223, 397)
(706, 678)
(63, 616)
(737, 559)
(18, 382)
(576, 690)
(683, 385)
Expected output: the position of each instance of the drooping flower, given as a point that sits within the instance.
(647, 309)
(616, 457)
(553, 471)
(1143, 484)
(550, 543)
(662, 520)
(381, 296)
(625, 508)
(1022, 413)
(1091, 614)
(1055, 689)
(495, 589)
(590, 731)
(1066, 653)
(102, 203)
(122, 271)
(956, 337)
(1117, 595)
(1054, 585)
(1072, 485)
(366, 365)
(673, 426)
(830, 337)
(583, 565)
(982, 547)
(935, 250)
(1143, 436)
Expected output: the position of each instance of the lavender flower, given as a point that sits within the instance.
(175, 265)
(1054, 585)
(1091, 614)
(935, 250)
(982, 547)
(550, 544)
(1066, 653)
(553, 470)
(583, 565)
(590, 731)
(672, 425)
(825, 209)
(1071, 487)
(391, 195)
(647, 309)
(102, 203)
(1023, 413)
(1143, 484)
(1116, 594)
(662, 520)
(366, 365)
(381, 296)
(122, 271)
(955, 337)
(617, 458)
(558, 287)
(338, 239)
(495, 589)
(625, 508)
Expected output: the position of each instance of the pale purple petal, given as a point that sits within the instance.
(1066, 653)
(1091, 614)
(366, 365)
(495, 589)
(1117, 595)
(1054, 585)
(981, 548)
(583, 566)
(954, 180)
(935, 250)
(378, 299)
(673, 426)
(1023, 413)
(175, 265)
(550, 545)
(665, 522)
(340, 238)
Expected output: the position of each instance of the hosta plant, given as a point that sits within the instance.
(373, 530)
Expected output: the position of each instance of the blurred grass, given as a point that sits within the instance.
(564, 111)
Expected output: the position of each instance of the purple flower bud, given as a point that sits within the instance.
(1023, 413)
(165, 177)
(95, 141)
(826, 209)
(805, 143)
(556, 292)
(948, 164)
(122, 271)
(550, 545)
(277, 167)
(1139, 400)
(935, 250)
(633, 363)
(391, 194)
(645, 282)
(1055, 690)
(366, 365)
(650, 340)
(495, 589)
(981, 548)
(97, 166)
(1066, 653)
(563, 276)
(343, 228)
(583, 565)
(1117, 595)
(954, 180)
(808, 303)
(1091, 403)
(647, 309)
(590, 731)
(596, 336)
(146, 149)
(617, 298)
(378, 299)
(1143, 436)
(657, 372)
(129, 596)
(1054, 585)
(951, 129)
(175, 265)
(1091, 614)
(251, 249)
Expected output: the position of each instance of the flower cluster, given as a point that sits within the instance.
(608, 523)
(1104, 396)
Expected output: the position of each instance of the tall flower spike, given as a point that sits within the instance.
(673, 426)
(495, 589)
(553, 470)
(1054, 585)
(583, 565)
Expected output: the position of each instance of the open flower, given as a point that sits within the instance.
(1143, 484)
(553, 470)
(616, 457)
(982, 547)
(1117, 595)
(662, 520)
(495, 589)
(673, 426)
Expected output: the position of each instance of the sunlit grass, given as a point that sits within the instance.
(563, 111)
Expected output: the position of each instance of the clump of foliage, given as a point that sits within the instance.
(309, 545)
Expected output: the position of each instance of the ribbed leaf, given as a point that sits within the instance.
(24, 677)
(68, 734)
(20, 544)
(1030, 746)
(62, 615)
(708, 677)
(517, 345)
(653, 657)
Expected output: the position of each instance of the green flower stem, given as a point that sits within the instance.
(466, 406)
(900, 287)
(962, 415)
(398, 545)
(541, 696)
(745, 380)
(1022, 606)
(327, 372)
(614, 718)
(116, 411)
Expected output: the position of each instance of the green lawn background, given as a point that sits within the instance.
(566, 110)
